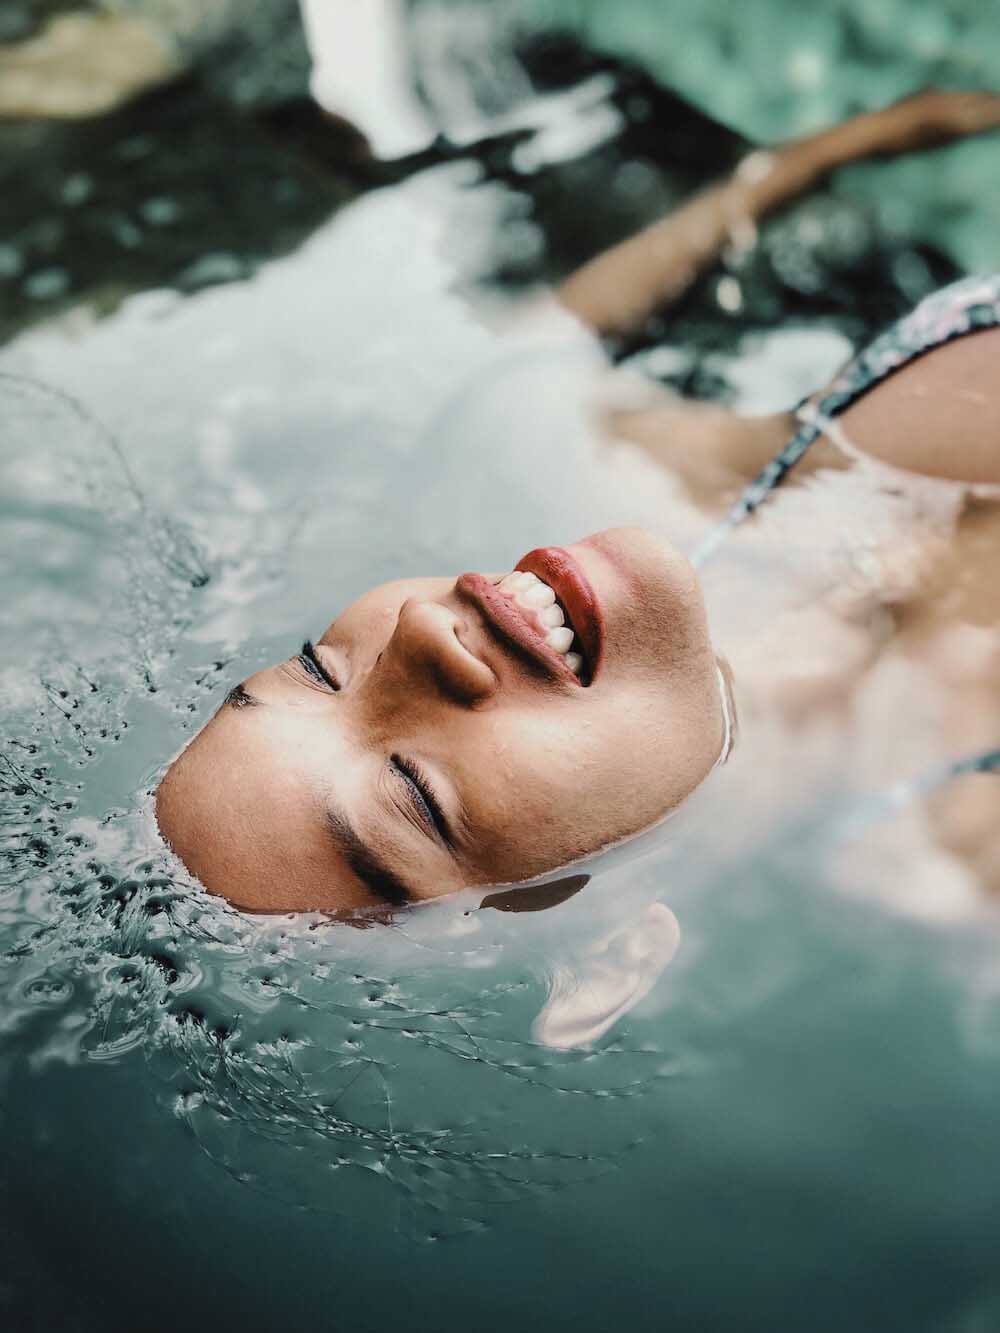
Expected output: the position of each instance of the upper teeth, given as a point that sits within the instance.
(530, 592)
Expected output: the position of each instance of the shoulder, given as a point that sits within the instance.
(924, 396)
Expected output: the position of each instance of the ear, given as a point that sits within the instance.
(536, 897)
(617, 972)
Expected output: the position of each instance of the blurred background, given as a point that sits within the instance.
(151, 143)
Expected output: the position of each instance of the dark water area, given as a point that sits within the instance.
(231, 396)
(144, 197)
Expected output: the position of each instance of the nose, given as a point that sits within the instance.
(425, 649)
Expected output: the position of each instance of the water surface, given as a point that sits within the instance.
(234, 1123)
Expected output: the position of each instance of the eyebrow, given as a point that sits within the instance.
(377, 874)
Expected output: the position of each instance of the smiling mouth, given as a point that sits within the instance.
(546, 610)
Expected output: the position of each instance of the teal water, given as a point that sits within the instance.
(776, 72)
(226, 1123)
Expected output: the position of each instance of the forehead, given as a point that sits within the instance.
(245, 825)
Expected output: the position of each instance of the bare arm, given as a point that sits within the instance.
(618, 289)
(944, 396)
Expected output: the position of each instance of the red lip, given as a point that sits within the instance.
(520, 629)
(570, 584)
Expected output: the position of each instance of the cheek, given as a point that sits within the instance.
(550, 790)
(529, 782)
(664, 636)
(673, 659)
(657, 747)
(561, 776)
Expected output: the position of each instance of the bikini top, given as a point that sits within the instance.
(963, 307)
(952, 312)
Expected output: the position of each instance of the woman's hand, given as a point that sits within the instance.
(928, 119)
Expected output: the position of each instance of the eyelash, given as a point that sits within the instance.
(422, 792)
(415, 777)
(308, 659)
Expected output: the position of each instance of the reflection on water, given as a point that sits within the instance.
(238, 1117)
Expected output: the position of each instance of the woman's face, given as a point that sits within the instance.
(435, 740)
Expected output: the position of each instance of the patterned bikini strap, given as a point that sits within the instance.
(954, 311)
(873, 809)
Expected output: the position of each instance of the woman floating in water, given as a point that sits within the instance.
(492, 729)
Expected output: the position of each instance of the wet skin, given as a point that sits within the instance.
(442, 752)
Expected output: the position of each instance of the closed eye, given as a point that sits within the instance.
(311, 664)
(423, 798)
